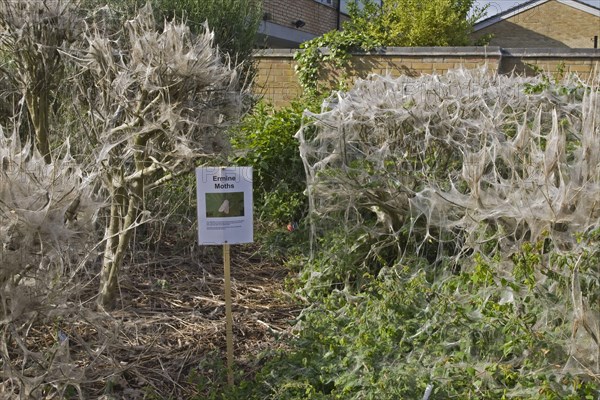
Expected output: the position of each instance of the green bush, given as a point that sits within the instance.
(265, 141)
(478, 334)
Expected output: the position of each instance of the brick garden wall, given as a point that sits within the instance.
(277, 82)
(584, 62)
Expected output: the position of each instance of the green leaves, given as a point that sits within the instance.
(398, 23)
(400, 332)
(265, 140)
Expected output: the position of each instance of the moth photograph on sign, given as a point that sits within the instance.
(224, 205)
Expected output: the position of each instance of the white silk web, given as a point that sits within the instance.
(459, 150)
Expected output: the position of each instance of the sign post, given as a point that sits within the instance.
(228, 314)
(225, 216)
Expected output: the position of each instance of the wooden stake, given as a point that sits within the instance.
(228, 313)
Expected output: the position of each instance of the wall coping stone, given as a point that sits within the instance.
(467, 51)
(275, 53)
(551, 53)
(437, 51)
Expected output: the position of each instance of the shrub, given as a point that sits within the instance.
(265, 140)
(481, 334)
(47, 236)
(457, 234)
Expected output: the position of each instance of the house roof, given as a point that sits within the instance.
(531, 4)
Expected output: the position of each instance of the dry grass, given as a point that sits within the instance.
(169, 324)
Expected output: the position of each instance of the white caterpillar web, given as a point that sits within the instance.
(459, 149)
(468, 161)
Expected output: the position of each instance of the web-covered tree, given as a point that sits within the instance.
(155, 103)
(47, 219)
(144, 106)
(484, 185)
(233, 22)
(31, 34)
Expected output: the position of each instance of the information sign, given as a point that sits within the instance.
(224, 205)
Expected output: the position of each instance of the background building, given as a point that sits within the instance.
(544, 23)
(287, 23)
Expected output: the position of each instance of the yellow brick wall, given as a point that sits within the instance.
(553, 66)
(276, 79)
(551, 24)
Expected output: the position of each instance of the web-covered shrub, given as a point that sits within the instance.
(458, 151)
(483, 189)
(47, 219)
(440, 165)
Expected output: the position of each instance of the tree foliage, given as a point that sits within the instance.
(406, 23)
(400, 23)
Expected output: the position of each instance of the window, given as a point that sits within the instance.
(344, 7)
(327, 2)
